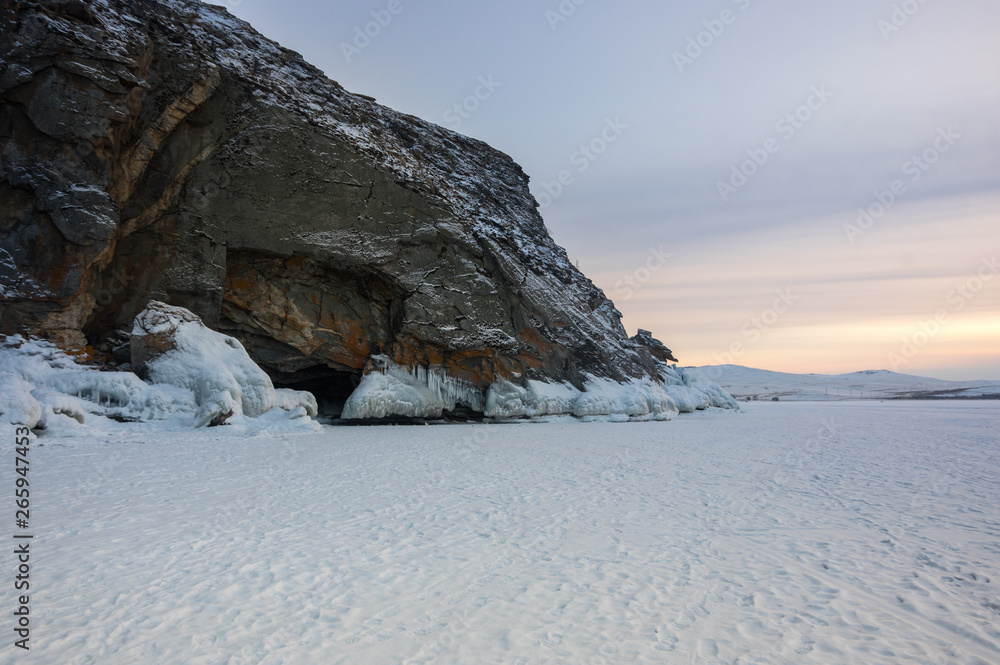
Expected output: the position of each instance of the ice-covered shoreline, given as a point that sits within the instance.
(389, 390)
(188, 376)
(48, 391)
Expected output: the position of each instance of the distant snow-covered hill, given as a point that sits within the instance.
(749, 383)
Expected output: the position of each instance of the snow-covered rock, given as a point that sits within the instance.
(201, 378)
(294, 400)
(552, 399)
(17, 405)
(198, 378)
(389, 390)
(216, 410)
(640, 398)
(58, 404)
(171, 345)
(694, 394)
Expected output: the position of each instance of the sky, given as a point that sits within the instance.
(796, 186)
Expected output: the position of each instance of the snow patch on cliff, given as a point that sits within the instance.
(14, 283)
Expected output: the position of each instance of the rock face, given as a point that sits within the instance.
(656, 348)
(164, 150)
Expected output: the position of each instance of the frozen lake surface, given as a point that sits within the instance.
(857, 532)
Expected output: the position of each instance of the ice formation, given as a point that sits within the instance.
(189, 375)
(390, 390)
(197, 378)
(17, 405)
(177, 349)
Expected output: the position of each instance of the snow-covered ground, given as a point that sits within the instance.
(849, 532)
(743, 382)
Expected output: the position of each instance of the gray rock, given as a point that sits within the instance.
(655, 347)
(166, 151)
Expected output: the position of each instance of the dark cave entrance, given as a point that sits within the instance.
(331, 387)
(463, 414)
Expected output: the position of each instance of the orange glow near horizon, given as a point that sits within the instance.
(867, 305)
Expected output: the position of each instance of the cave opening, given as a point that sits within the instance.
(463, 414)
(331, 387)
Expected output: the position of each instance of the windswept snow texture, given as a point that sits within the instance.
(42, 387)
(802, 534)
(390, 390)
(743, 382)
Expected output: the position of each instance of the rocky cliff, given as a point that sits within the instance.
(164, 150)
